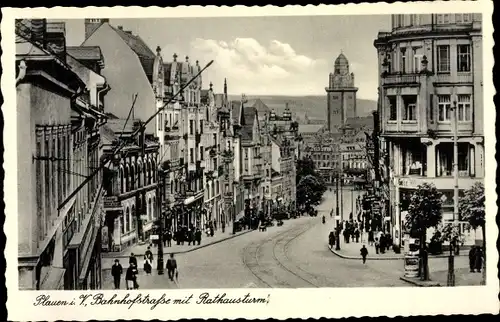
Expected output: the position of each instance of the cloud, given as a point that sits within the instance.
(253, 68)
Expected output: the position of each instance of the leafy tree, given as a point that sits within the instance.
(424, 211)
(471, 209)
(310, 185)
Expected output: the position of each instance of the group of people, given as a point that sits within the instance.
(183, 234)
(382, 243)
(132, 272)
(476, 259)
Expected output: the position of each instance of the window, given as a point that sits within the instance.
(54, 172)
(446, 18)
(402, 66)
(201, 126)
(439, 19)
(127, 229)
(410, 108)
(122, 225)
(417, 63)
(191, 127)
(201, 153)
(393, 115)
(464, 108)
(444, 107)
(191, 155)
(463, 58)
(443, 58)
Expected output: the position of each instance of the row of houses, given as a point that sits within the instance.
(121, 138)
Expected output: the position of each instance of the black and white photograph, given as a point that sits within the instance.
(252, 152)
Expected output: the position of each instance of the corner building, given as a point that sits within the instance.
(429, 65)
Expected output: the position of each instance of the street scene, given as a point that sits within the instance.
(236, 157)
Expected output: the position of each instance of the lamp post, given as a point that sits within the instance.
(453, 241)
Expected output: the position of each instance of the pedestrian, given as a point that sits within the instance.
(478, 256)
(223, 226)
(331, 239)
(377, 245)
(472, 258)
(148, 260)
(116, 272)
(169, 238)
(211, 231)
(198, 236)
(131, 277)
(171, 267)
(356, 235)
(149, 254)
(364, 253)
(382, 243)
(132, 259)
(370, 238)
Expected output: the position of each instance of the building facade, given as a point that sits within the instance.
(341, 95)
(57, 225)
(431, 71)
(130, 184)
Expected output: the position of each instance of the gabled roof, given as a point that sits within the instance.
(260, 106)
(310, 128)
(144, 53)
(236, 107)
(85, 52)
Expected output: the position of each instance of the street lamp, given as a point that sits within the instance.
(453, 241)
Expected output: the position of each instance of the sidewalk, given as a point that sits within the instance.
(352, 251)
(146, 282)
(463, 277)
(139, 250)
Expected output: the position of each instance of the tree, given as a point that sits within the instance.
(310, 185)
(424, 211)
(471, 209)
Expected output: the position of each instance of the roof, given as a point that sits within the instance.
(236, 107)
(204, 96)
(121, 125)
(359, 122)
(310, 128)
(260, 106)
(249, 113)
(85, 52)
(141, 49)
(219, 100)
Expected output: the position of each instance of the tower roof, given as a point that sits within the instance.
(341, 60)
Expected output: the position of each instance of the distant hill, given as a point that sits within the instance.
(314, 106)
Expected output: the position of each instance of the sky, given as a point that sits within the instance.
(264, 55)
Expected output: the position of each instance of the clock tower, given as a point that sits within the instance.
(341, 95)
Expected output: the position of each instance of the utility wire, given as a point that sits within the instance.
(141, 128)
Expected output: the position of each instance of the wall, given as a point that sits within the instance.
(123, 66)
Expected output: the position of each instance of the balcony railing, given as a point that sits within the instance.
(459, 78)
(401, 79)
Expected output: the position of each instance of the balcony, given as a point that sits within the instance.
(449, 79)
(402, 79)
(441, 183)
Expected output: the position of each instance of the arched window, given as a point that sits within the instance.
(149, 172)
(133, 215)
(153, 171)
(139, 175)
(145, 173)
(127, 212)
(172, 187)
(153, 212)
(127, 180)
(150, 210)
(121, 180)
(132, 177)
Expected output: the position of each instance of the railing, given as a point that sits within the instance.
(459, 78)
(399, 78)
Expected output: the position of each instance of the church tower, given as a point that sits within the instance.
(92, 24)
(341, 95)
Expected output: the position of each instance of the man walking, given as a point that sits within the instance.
(171, 267)
(116, 272)
(364, 253)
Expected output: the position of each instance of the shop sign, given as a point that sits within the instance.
(111, 203)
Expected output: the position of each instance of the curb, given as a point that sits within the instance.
(419, 283)
(111, 255)
(382, 258)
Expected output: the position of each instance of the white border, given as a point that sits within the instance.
(301, 303)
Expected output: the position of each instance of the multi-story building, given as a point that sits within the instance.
(431, 70)
(85, 246)
(353, 155)
(283, 162)
(341, 95)
(57, 225)
(323, 150)
(130, 184)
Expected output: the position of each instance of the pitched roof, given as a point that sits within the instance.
(260, 106)
(85, 52)
(141, 49)
(236, 107)
(249, 113)
(310, 128)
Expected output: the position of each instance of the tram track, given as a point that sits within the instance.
(264, 271)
